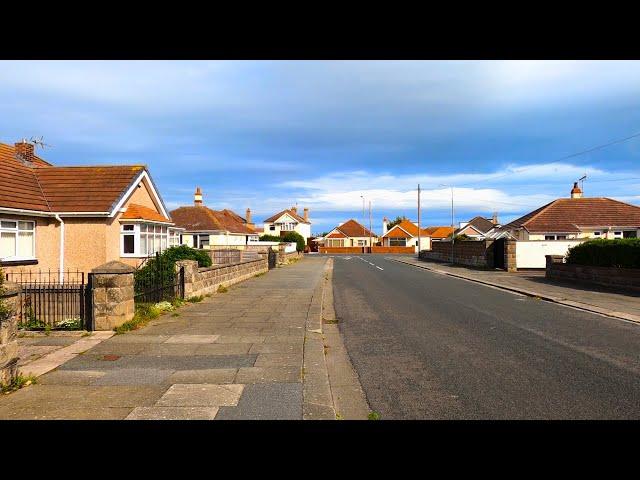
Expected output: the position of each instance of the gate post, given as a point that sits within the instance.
(9, 297)
(113, 295)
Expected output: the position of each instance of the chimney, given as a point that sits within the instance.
(494, 220)
(248, 218)
(294, 210)
(576, 192)
(306, 214)
(384, 225)
(25, 151)
(197, 197)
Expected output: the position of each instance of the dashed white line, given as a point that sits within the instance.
(380, 268)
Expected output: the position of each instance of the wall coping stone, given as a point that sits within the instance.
(114, 267)
(9, 289)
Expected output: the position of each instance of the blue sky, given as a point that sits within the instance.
(268, 134)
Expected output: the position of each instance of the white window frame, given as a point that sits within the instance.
(397, 240)
(136, 232)
(597, 233)
(17, 230)
(618, 234)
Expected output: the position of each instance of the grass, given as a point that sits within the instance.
(19, 382)
(222, 289)
(330, 322)
(195, 299)
(175, 314)
(144, 314)
(338, 416)
(259, 274)
(373, 416)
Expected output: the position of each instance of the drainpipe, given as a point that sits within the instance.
(57, 217)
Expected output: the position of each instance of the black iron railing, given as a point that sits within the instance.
(158, 281)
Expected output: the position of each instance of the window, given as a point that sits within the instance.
(597, 234)
(17, 240)
(561, 237)
(175, 238)
(362, 243)
(630, 234)
(555, 237)
(397, 242)
(201, 241)
(272, 228)
(617, 234)
(143, 239)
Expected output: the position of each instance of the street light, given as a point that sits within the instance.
(363, 218)
(453, 236)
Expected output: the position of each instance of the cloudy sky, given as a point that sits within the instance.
(269, 134)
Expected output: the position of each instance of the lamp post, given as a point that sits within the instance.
(370, 239)
(363, 218)
(453, 236)
(419, 239)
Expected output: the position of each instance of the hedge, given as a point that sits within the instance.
(168, 259)
(621, 253)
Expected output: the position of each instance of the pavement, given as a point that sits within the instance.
(591, 298)
(255, 352)
(430, 346)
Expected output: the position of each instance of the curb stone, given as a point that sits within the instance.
(561, 301)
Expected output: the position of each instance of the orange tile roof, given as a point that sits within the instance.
(46, 188)
(203, 218)
(438, 232)
(567, 215)
(408, 226)
(290, 213)
(140, 212)
(351, 228)
(336, 235)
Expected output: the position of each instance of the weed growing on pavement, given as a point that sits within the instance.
(222, 289)
(373, 416)
(338, 416)
(259, 274)
(17, 383)
(175, 314)
(195, 299)
(144, 314)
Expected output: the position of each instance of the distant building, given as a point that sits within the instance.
(350, 234)
(288, 221)
(405, 234)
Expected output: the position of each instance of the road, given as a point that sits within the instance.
(429, 346)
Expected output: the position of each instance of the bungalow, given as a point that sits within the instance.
(559, 225)
(477, 227)
(76, 218)
(350, 234)
(288, 221)
(438, 234)
(405, 234)
(208, 229)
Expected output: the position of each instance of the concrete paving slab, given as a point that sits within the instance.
(276, 348)
(279, 360)
(70, 377)
(173, 413)
(269, 374)
(134, 376)
(177, 349)
(182, 362)
(223, 349)
(192, 338)
(267, 401)
(201, 395)
(211, 375)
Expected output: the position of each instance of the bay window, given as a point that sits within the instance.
(142, 239)
(397, 242)
(17, 240)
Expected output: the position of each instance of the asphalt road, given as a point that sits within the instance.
(429, 346)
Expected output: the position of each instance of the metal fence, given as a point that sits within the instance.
(158, 281)
(51, 301)
(223, 256)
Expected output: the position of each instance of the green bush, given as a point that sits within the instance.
(622, 253)
(168, 260)
(295, 237)
(270, 238)
(4, 309)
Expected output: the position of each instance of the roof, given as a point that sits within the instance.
(573, 214)
(351, 228)
(336, 235)
(140, 212)
(46, 188)
(438, 232)
(408, 226)
(480, 224)
(288, 212)
(201, 218)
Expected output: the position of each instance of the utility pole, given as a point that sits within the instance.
(419, 221)
(363, 219)
(370, 239)
(453, 237)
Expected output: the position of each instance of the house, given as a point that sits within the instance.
(563, 223)
(209, 229)
(477, 227)
(288, 221)
(76, 218)
(405, 234)
(350, 234)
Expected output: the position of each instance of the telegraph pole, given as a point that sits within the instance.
(370, 239)
(419, 221)
(453, 235)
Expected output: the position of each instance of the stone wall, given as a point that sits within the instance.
(284, 258)
(510, 263)
(9, 293)
(624, 278)
(113, 295)
(471, 253)
(201, 281)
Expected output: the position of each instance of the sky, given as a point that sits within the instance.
(321, 134)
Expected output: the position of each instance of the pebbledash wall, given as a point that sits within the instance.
(201, 281)
(624, 278)
(8, 331)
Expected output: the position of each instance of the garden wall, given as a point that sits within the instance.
(8, 328)
(201, 281)
(625, 278)
(471, 253)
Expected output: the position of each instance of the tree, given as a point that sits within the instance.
(270, 238)
(295, 237)
(395, 222)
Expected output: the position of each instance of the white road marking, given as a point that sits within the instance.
(379, 267)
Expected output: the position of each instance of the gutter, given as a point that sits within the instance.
(61, 273)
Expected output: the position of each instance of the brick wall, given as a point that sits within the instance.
(472, 253)
(353, 250)
(201, 281)
(625, 278)
(406, 250)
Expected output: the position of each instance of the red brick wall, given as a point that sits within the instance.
(393, 249)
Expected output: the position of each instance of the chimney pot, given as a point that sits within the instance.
(248, 218)
(306, 214)
(197, 197)
(576, 192)
(25, 151)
